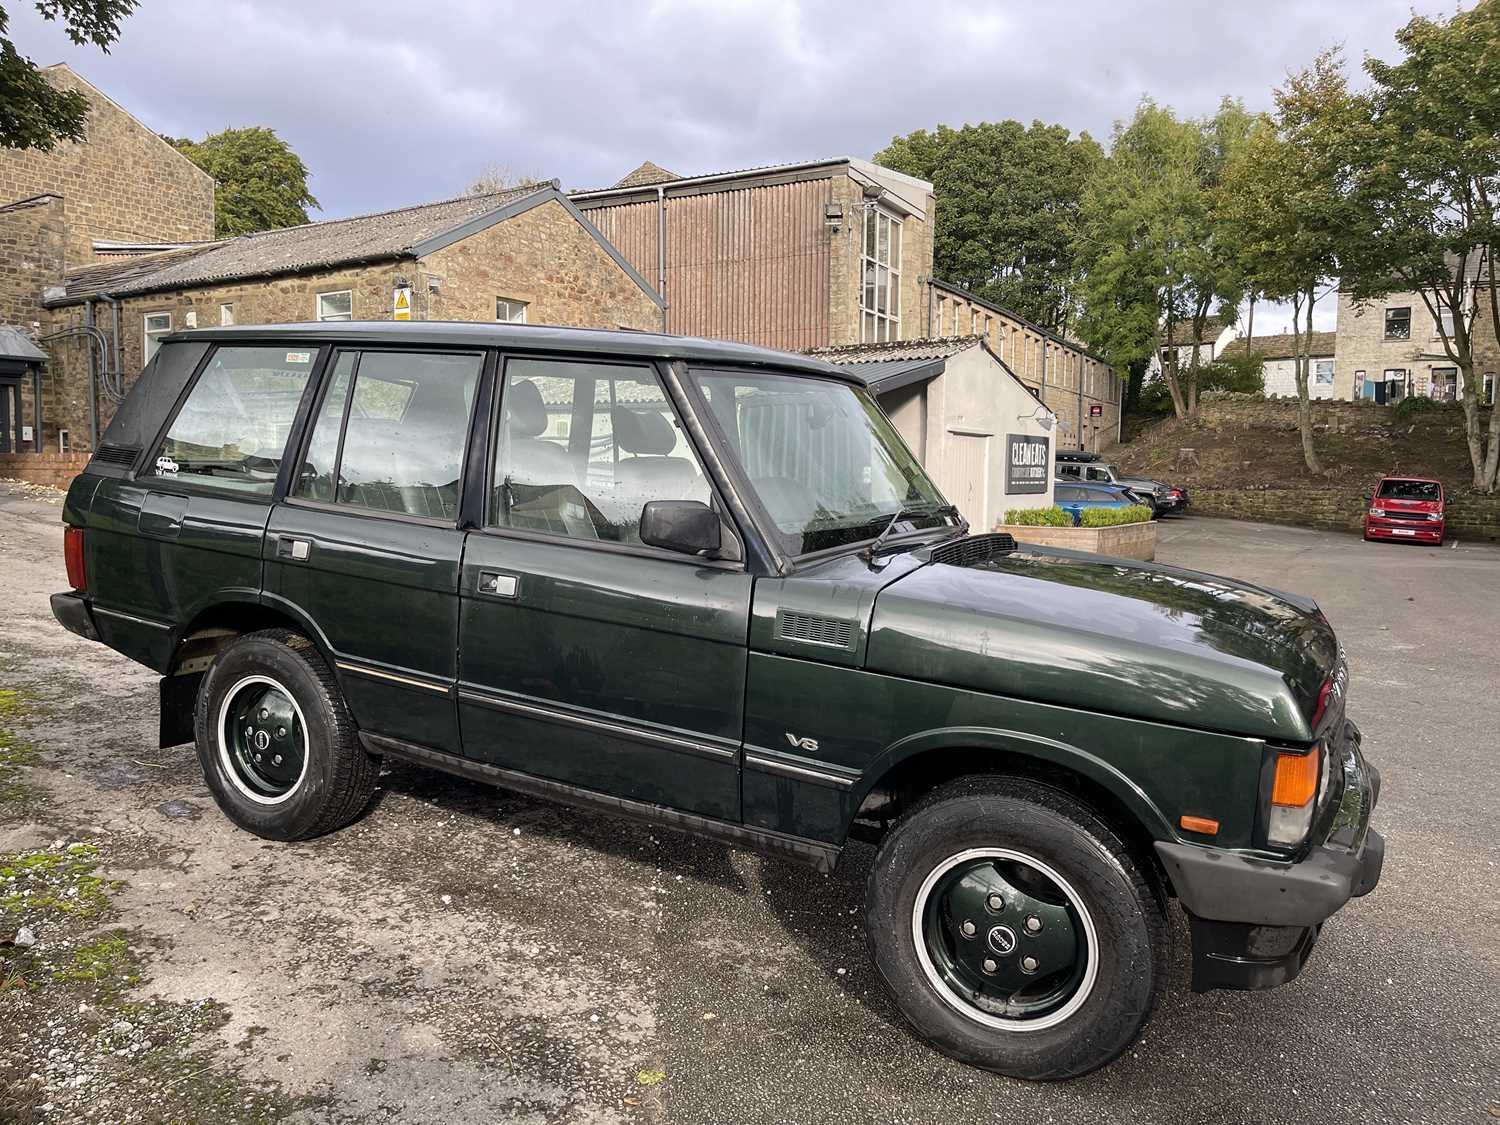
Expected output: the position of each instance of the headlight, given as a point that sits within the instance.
(1294, 794)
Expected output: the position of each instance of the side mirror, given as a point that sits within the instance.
(689, 527)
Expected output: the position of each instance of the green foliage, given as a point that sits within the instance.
(1238, 372)
(1413, 405)
(261, 182)
(33, 112)
(16, 755)
(1114, 517)
(1007, 223)
(1039, 517)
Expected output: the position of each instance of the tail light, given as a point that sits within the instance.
(73, 558)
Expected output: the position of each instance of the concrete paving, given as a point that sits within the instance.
(464, 954)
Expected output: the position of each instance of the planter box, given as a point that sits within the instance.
(1125, 541)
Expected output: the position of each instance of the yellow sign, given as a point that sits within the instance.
(401, 306)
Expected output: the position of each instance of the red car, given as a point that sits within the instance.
(1406, 508)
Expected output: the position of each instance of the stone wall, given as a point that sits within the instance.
(122, 183)
(543, 257)
(844, 276)
(55, 469)
(1341, 509)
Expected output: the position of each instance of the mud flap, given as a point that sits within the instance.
(179, 697)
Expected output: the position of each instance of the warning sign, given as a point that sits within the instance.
(401, 303)
(1096, 410)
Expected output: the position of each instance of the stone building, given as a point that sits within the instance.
(1392, 348)
(829, 253)
(1279, 369)
(71, 208)
(524, 255)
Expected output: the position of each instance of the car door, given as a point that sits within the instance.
(187, 530)
(367, 546)
(587, 657)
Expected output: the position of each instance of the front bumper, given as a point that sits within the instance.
(1431, 532)
(1254, 921)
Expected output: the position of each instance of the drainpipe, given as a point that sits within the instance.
(1078, 370)
(661, 251)
(88, 320)
(119, 346)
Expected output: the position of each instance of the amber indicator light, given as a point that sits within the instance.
(1296, 779)
(1203, 824)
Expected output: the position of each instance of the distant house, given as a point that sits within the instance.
(1280, 367)
(1392, 348)
(1209, 344)
(984, 435)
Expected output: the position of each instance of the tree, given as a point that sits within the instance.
(261, 182)
(1284, 204)
(33, 112)
(1429, 178)
(1136, 223)
(499, 177)
(1008, 213)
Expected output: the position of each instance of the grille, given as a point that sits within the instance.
(110, 454)
(1415, 517)
(816, 630)
(974, 549)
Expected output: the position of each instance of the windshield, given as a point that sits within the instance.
(826, 465)
(1410, 490)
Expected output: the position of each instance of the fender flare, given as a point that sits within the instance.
(1073, 758)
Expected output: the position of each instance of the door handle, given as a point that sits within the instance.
(498, 585)
(290, 547)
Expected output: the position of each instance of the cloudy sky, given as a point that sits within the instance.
(397, 103)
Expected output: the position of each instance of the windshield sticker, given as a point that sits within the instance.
(299, 357)
(166, 467)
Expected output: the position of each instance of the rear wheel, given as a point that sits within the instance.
(1015, 929)
(278, 749)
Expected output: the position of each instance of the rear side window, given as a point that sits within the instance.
(390, 433)
(232, 431)
(1410, 490)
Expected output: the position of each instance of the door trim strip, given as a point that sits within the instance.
(719, 752)
(365, 670)
(165, 628)
(817, 853)
(761, 760)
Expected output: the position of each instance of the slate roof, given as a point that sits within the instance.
(1182, 332)
(937, 347)
(16, 345)
(1282, 346)
(321, 245)
(645, 175)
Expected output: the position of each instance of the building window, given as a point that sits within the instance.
(510, 311)
(157, 326)
(1444, 384)
(1444, 325)
(1360, 388)
(1489, 389)
(880, 271)
(1323, 372)
(336, 306)
(938, 326)
(1398, 323)
(226, 315)
(1395, 384)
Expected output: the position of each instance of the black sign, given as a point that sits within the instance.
(1028, 463)
(1095, 410)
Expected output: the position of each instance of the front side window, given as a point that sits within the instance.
(232, 430)
(336, 306)
(157, 325)
(1398, 323)
(583, 447)
(880, 273)
(825, 464)
(510, 311)
(390, 433)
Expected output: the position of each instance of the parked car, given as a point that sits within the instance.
(1091, 468)
(1074, 498)
(1409, 508)
(706, 586)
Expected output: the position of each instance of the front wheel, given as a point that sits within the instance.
(1015, 929)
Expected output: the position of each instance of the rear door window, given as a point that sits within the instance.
(232, 430)
(390, 433)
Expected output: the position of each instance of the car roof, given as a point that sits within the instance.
(524, 337)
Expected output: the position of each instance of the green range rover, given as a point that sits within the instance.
(706, 585)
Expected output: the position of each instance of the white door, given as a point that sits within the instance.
(964, 474)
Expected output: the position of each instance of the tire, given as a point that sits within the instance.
(264, 691)
(1092, 1007)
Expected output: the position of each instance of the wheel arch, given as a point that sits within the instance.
(216, 624)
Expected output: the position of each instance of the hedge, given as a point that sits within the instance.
(1039, 517)
(1113, 517)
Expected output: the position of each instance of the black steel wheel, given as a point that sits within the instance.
(278, 748)
(1015, 929)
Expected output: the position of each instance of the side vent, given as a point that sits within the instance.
(814, 630)
(111, 454)
(974, 549)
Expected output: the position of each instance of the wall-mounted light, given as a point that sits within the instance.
(833, 216)
(1041, 416)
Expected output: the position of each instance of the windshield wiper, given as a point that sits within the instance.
(941, 510)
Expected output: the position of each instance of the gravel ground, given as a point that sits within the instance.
(465, 954)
